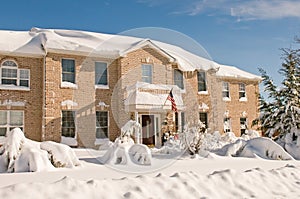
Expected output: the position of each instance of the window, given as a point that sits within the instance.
(242, 90)
(147, 73)
(178, 78)
(12, 75)
(227, 124)
(68, 124)
(243, 125)
(101, 124)
(201, 81)
(68, 70)
(10, 120)
(203, 118)
(225, 90)
(100, 73)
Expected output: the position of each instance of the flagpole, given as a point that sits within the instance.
(167, 97)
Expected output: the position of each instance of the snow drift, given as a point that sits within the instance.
(19, 154)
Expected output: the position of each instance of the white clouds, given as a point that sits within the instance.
(265, 9)
(241, 9)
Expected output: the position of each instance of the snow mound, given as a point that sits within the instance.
(60, 155)
(19, 154)
(261, 147)
(124, 151)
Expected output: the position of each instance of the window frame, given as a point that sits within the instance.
(243, 130)
(227, 90)
(206, 118)
(145, 76)
(202, 82)
(62, 70)
(242, 91)
(97, 85)
(70, 134)
(8, 125)
(18, 77)
(102, 127)
(180, 80)
(226, 130)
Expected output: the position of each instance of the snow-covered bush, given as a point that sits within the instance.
(19, 154)
(60, 155)
(125, 151)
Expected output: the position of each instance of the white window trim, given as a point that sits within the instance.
(108, 127)
(75, 121)
(7, 126)
(243, 99)
(102, 86)
(152, 71)
(206, 91)
(183, 81)
(65, 84)
(226, 98)
(229, 125)
(14, 87)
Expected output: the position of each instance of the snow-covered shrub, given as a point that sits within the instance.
(125, 151)
(60, 155)
(193, 137)
(261, 146)
(19, 154)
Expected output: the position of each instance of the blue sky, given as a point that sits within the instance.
(244, 33)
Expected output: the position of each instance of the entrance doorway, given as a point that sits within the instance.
(148, 132)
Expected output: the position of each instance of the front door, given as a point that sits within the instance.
(148, 129)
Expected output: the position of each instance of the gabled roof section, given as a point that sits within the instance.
(147, 42)
(235, 73)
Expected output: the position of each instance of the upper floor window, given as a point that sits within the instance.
(201, 81)
(10, 120)
(242, 90)
(101, 124)
(147, 73)
(12, 75)
(68, 124)
(178, 78)
(225, 90)
(68, 70)
(101, 73)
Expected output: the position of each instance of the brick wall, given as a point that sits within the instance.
(33, 98)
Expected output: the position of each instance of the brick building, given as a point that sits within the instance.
(80, 87)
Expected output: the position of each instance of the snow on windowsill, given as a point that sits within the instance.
(69, 141)
(226, 99)
(203, 92)
(14, 87)
(101, 86)
(243, 99)
(100, 141)
(68, 85)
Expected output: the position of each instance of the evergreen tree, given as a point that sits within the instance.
(280, 114)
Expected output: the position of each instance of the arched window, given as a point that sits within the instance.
(12, 75)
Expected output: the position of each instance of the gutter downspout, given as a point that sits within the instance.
(43, 137)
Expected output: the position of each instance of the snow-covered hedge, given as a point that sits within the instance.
(19, 154)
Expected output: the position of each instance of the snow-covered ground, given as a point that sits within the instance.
(185, 177)
(251, 167)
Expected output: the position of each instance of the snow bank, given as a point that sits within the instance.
(254, 183)
(19, 154)
(262, 147)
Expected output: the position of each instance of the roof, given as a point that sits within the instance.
(38, 42)
(234, 72)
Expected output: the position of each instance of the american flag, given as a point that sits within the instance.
(171, 98)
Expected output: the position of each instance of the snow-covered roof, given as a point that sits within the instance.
(234, 72)
(37, 42)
